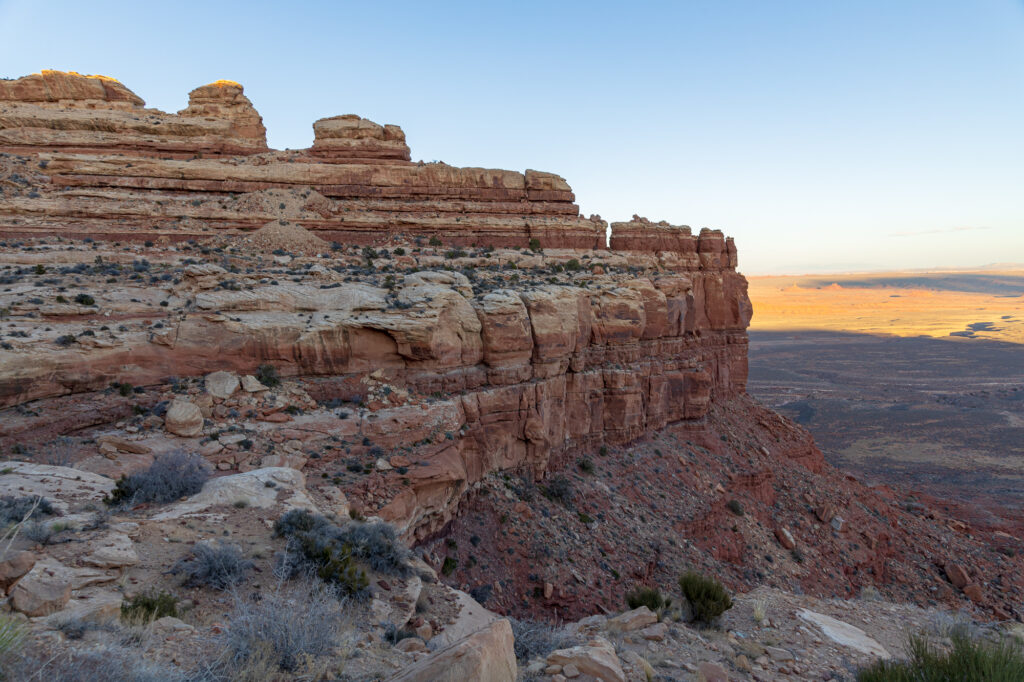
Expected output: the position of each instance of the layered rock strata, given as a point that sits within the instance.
(510, 357)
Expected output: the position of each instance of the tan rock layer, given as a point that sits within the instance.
(92, 134)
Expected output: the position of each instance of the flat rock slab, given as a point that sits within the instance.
(59, 485)
(845, 634)
(112, 550)
(252, 486)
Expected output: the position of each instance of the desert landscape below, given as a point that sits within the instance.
(332, 413)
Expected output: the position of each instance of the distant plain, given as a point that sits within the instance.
(913, 379)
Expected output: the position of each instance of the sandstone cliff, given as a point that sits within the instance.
(586, 346)
(414, 337)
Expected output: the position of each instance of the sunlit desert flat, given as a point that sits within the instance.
(980, 304)
(912, 379)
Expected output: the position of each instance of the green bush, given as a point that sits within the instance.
(735, 507)
(149, 606)
(534, 244)
(651, 597)
(267, 375)
(332, 551)
(708, 598)
(967, 660)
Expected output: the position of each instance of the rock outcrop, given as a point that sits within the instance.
(540, 344)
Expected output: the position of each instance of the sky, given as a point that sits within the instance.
(823, 136)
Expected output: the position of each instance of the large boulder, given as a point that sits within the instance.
(184, 419)
(597, 658)
(44, 590)
(487, 654)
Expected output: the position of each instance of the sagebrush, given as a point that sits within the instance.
(171, 476)
(216, 565)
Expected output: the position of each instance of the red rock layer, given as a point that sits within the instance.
(120, 171)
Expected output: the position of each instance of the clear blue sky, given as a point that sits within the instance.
(822, 135)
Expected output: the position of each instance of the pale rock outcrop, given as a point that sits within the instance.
(597, 658)
(260, 488)
(62, 486)
(221, 384)
(487, 654)
(112, 550)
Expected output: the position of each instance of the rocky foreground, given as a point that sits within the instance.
(549, 421)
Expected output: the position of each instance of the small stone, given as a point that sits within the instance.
(570, 671)
(549, 590)
(778, 653)
(425, 631)
(712, 672)
(552, 670)
(957, 575)
(785, 538)
(382, 464)
(974, 593)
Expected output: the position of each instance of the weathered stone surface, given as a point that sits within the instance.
(62, 486)
(221, 384)
(13, 565)
(844, 634)
(487, 654)
(597, 658)
(112, 550)
(184, 419)
(288, 489)
(635, 619)
(43, 590)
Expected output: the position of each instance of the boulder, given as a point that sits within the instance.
(596, 658)
(44, 590)
(13, 565)
(975, 593)
(635, 619)
(957, 575)
(221, 384)
(112, 550)
(487, 654)
(251, 384)
(184, 419)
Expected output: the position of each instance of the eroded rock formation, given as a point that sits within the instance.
(540, 344)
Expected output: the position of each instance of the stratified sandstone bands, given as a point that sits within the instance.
(538, 343)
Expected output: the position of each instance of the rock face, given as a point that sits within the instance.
(588, 347)
(487, 654)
